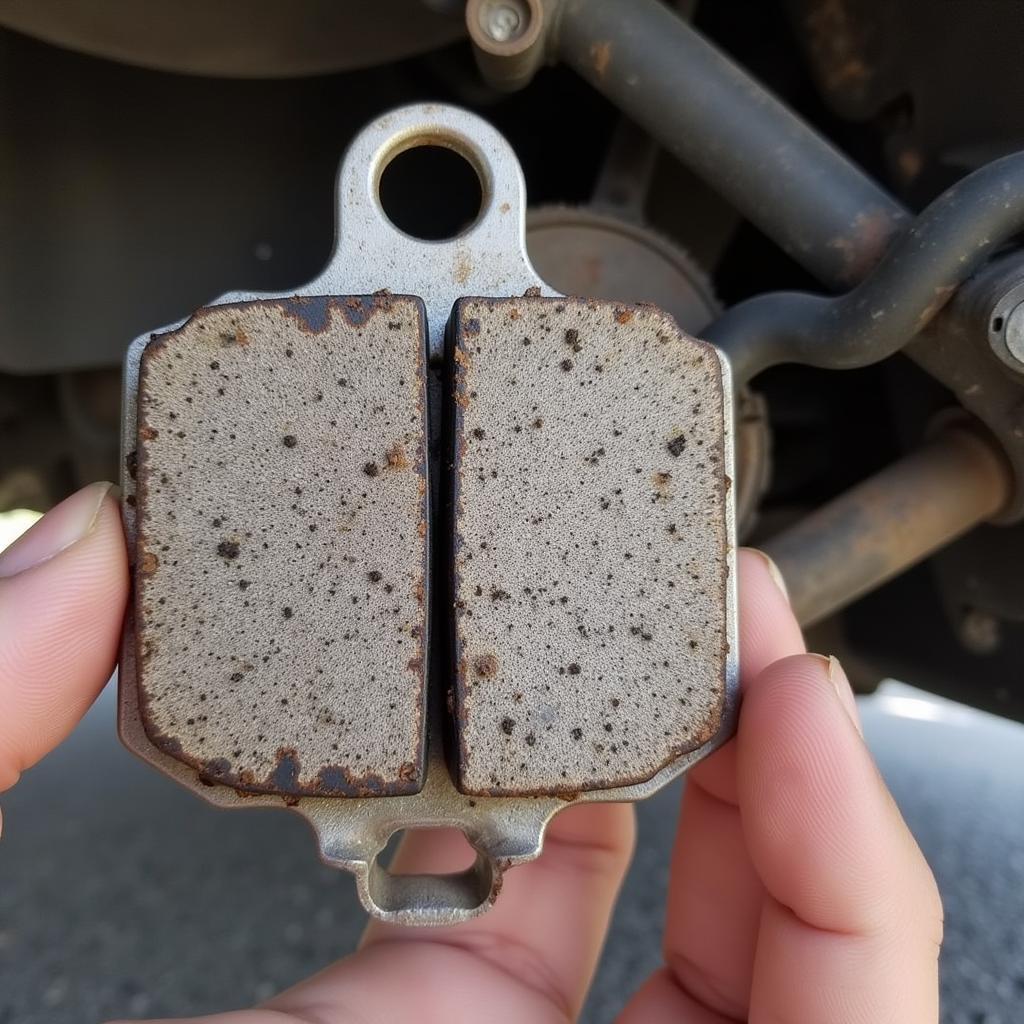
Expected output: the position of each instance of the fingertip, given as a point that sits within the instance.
(768, 631)
(767, 626)
(60, 623)
(823, 832)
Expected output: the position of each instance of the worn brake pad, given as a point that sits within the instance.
(282, 549)
(590, 545)
(282, 546)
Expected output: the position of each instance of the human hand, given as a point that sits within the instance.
(797, 893)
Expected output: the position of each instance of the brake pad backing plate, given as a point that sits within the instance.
(358, 796)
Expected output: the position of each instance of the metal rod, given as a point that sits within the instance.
(888, 523)
(709, 113)
(947, 243)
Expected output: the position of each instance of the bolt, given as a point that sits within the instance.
(1013, 332)
(503, 21)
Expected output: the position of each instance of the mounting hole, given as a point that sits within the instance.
(448, 850)
(431, 192)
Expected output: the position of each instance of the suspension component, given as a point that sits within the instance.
(885, 525)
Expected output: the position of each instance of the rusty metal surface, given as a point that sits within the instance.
(282, 545)
(489, 258)
(890, 522)
(590, 567)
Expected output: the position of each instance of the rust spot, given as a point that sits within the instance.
(463, 267)
(623, 315)
(838, 47)
(396, 458)
(148, 433)
(863, 246)
(148, 563)
(237, 336)
(600, 56)
(486, 666)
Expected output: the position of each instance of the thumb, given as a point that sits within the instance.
(63, 587)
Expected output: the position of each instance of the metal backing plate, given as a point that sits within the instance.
(590, 545)
(370, 254)
(282, 545)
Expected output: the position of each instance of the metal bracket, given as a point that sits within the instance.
(488, 259)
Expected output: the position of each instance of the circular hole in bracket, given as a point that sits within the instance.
(430, 190)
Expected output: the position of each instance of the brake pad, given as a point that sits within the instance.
(590, 547)
(282, 545)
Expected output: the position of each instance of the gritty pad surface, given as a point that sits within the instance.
(590, 547)
(282, 545)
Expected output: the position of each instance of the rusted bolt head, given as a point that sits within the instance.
(1013, 333)
(503, 20)
(504, 28)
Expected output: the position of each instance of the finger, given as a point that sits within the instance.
(546, 931)
(768, 631)
(63, 587)
(715, 895)
(530, 958)
(852, 922)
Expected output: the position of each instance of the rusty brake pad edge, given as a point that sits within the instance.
(282, 545)
(590, 544)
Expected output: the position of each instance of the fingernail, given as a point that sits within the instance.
(837, 677)
(62, 526)
(773, 571)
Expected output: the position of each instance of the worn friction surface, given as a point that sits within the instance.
(282, 545)
(590, 544)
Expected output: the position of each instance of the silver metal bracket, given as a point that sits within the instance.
(488, 259)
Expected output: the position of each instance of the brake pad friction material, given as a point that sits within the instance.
(590, 544)
(281, 560)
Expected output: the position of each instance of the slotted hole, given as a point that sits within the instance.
(447, 849)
